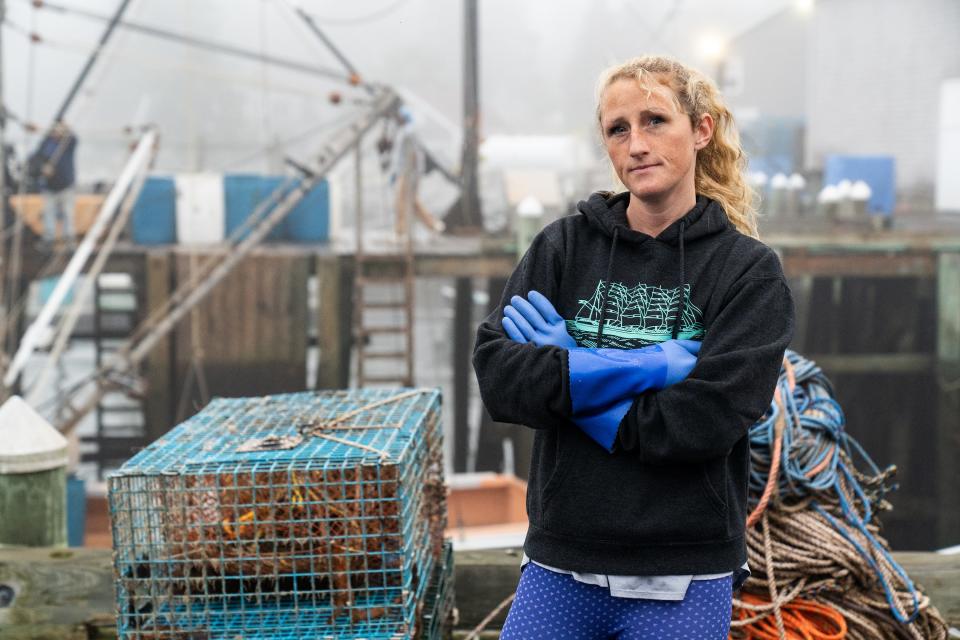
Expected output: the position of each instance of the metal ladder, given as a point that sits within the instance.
(374, 272)
(120, 425)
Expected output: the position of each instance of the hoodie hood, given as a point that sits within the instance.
(608, 212)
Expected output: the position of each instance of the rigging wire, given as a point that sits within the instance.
(363, 19)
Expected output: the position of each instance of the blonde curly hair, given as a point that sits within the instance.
(721, 165)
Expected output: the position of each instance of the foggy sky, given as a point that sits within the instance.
(539, 61)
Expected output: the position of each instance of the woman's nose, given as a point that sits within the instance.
(638, 143)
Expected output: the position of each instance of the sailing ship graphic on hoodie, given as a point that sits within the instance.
(635, 316)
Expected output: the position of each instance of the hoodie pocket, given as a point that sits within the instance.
(546, 470)
(715, 480)
(559, 466)
(615, 498)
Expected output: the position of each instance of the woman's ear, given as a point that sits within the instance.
(703, 131)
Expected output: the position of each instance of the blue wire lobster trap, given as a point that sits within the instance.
(304, 515)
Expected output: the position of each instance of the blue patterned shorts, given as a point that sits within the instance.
(551, 605)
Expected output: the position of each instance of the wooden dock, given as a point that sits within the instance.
(67, 594)
(878, 310)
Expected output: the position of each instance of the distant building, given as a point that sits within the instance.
(857, 76)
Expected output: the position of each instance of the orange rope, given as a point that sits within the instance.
(803, 620)
(777, 446)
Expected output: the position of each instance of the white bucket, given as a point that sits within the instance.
(201, 217)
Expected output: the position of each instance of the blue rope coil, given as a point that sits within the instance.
(817, 464)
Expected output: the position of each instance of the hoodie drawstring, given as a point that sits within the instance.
(606, 291)
(682, 304)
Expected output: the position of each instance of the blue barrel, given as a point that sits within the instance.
(155, 213)
(876, 171)
(310, 220)
(241, 195)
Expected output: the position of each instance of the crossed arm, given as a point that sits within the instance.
(603, 382)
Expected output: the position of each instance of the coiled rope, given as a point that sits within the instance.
(817, 555)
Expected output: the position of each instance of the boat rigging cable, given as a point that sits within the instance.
(200, 43)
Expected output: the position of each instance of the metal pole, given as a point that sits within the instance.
(333, 49)
(469, 211)
(357, 302)
(3, 179)
(92, 59)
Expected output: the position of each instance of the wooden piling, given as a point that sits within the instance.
(947, 434)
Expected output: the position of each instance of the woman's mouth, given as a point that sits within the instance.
(642, 168)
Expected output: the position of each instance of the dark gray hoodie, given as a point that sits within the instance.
(672, 497)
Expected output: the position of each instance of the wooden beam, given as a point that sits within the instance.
(850, 263)
(875, 363)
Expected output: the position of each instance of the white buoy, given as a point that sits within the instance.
(795, 186)
(827, 202)
(860, 194)
(33, 484)
(796, 182)
(845, 210)
(778, 195)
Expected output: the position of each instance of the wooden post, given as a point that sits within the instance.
(462, 344)
(158, 404)
(948, 378)
(492, 434)
(335, 294)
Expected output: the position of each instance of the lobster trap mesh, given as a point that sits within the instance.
(305, 515)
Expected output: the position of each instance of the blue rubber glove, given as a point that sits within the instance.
(536, 321)
(600, 377)
(603, 382)
(603, 425)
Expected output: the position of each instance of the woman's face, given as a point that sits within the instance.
(651, 143)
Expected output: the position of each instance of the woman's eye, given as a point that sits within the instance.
(616, 130)
(656, 120)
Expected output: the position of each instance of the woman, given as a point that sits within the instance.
(641, 338)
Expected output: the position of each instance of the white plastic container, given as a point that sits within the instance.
(201, 217)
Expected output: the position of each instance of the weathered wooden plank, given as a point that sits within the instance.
(948, 378)
(874, 264)
(54, 592)
(252, 328)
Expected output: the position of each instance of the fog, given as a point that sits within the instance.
(538, 64)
